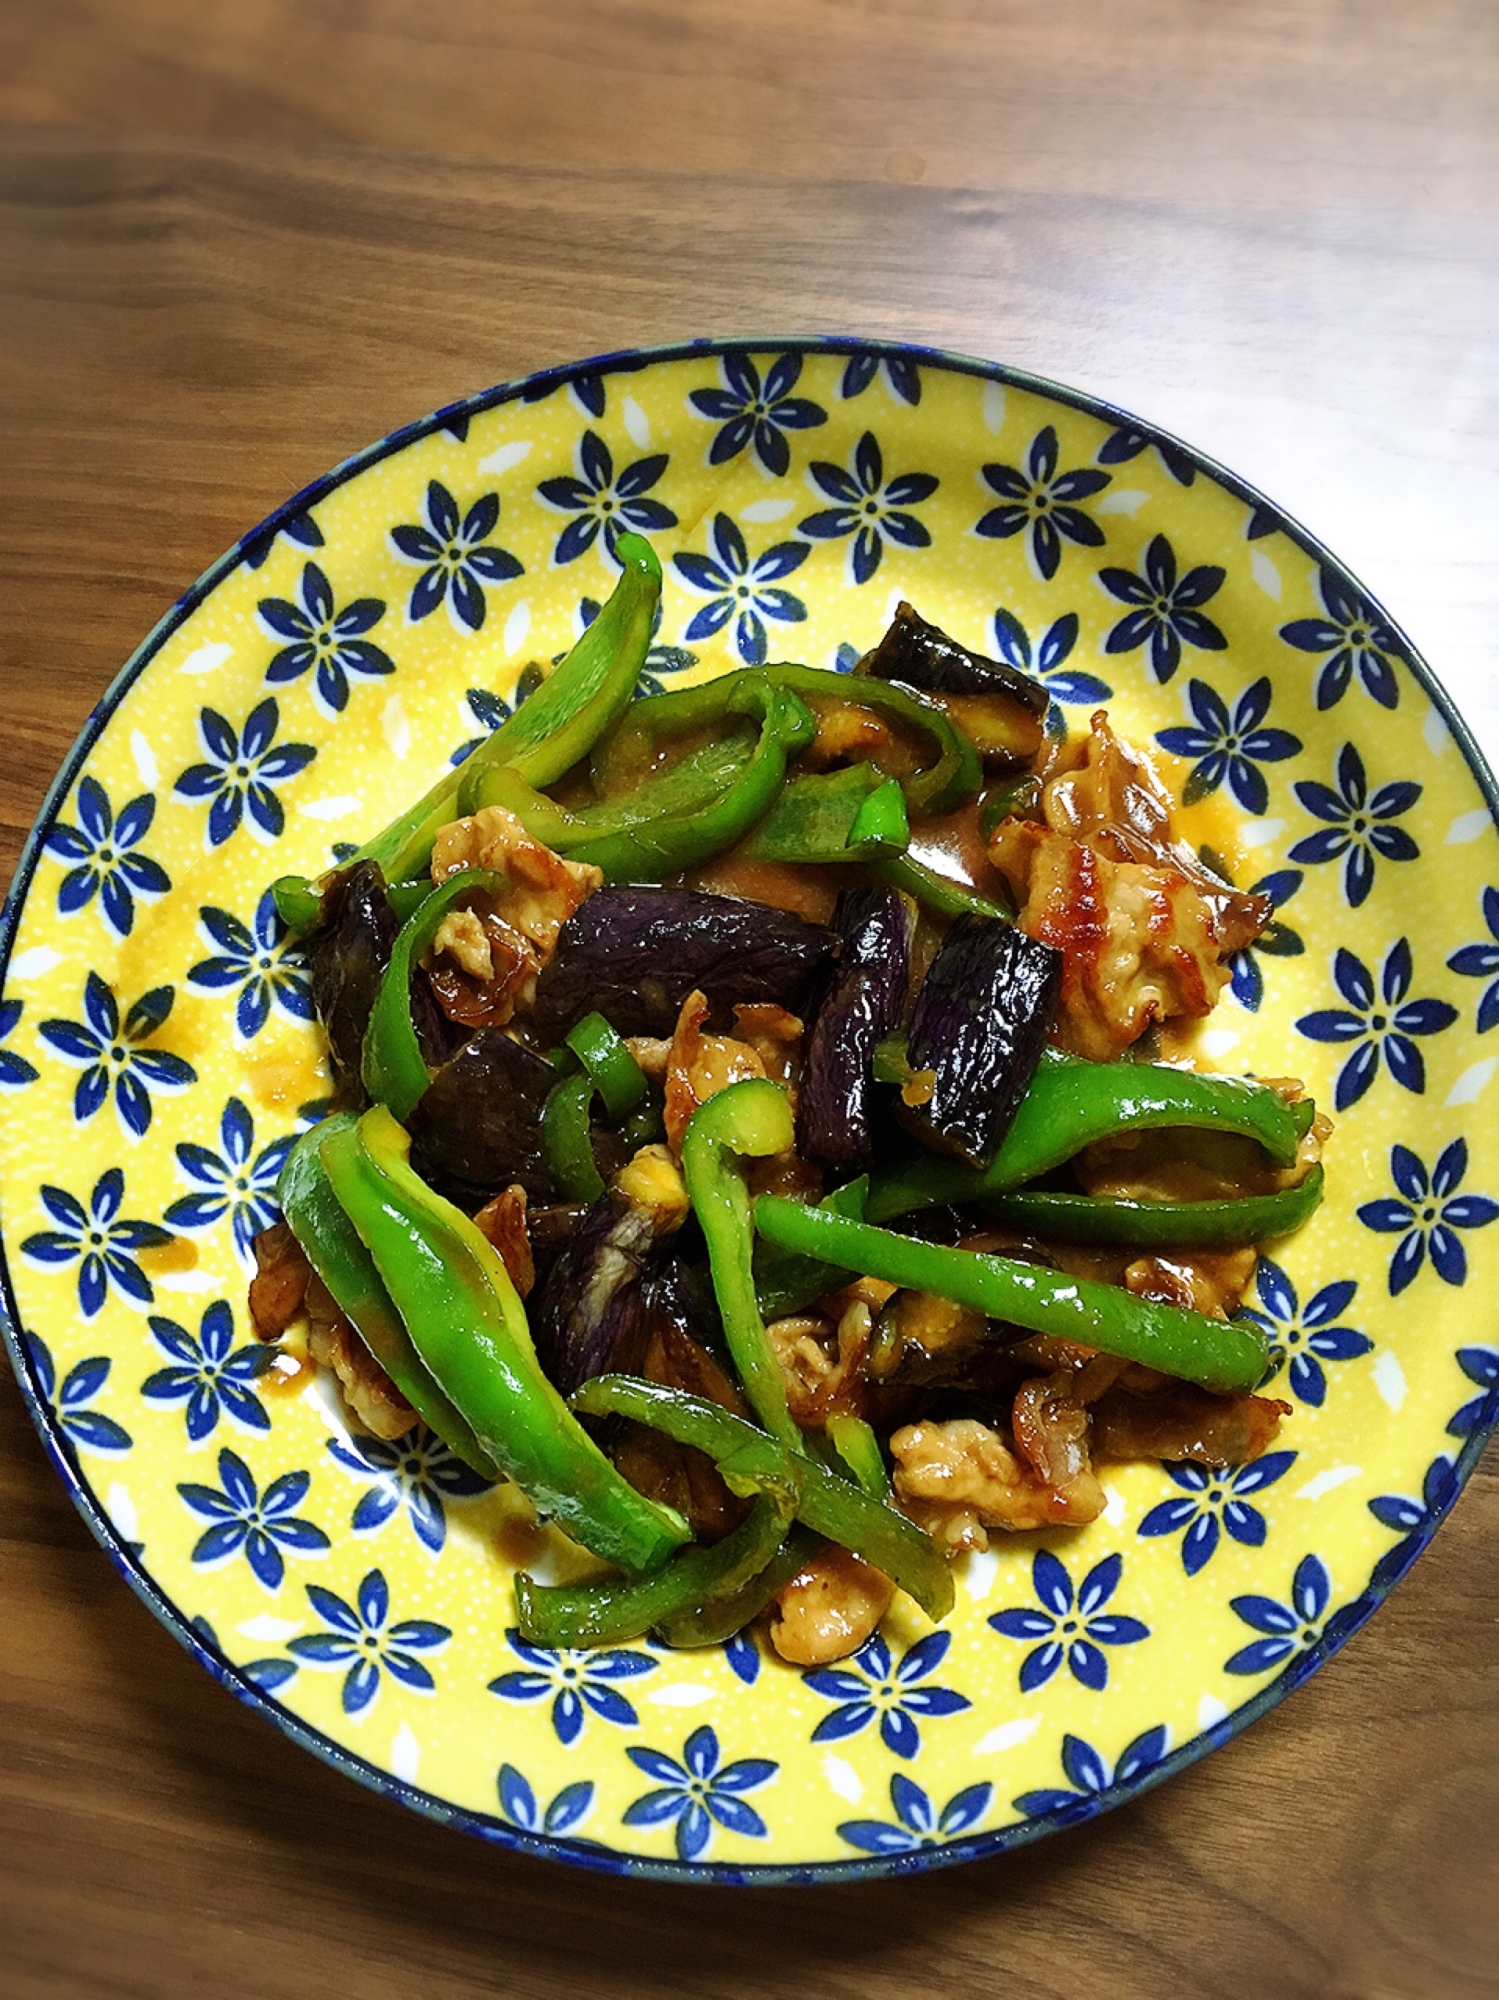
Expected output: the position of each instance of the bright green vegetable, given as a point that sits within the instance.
(938, 892)
(567, 1138)
(542, 739)
(619, 1079)
(1220, 1354)
(832, 816)
(829, 1505)
(1072, 1103)
(393, 1067)
(753, 1117)
(340, 1259)
(785, 1283)
(859, 1448)
(1081, 1218)
(469, 1328)
(953, 773)
(719, 1618)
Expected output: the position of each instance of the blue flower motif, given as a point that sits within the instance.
(576, 1680)
(1381, 1022)
(99, 1240)
(1305, 1336)
(1480, 1365)
(918, 1823)
(267, 1675)
(756, 413)
(739, 587)
(902, 377)
(604, 501)
(1214, 1494)
(699, 1791)
(300, 530)
(1481, 961)
(209, 1374)
(1042, 501)
(519, 1805)
(1125, 444)
(456, 557)
(113, 1056)
(259, 960)
(869, 1686)
(1091, 1777)
(14, 1069)
(1229, 746)
(1276, 940)
(415, 1471)
(361, 1638)
(1358, 826)
(241, 771)
(1289, 1628)
(258, 1524)
(238, 1182)
(1070, 1626)
(1352, 635)
(1168, 610)
(1047, 661)
(105, 851)
(89, 1429)
(1428, 1213)
(325, 639)
(1415, 1521)
(743, 1656)
(869, 508)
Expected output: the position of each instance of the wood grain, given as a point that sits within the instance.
(237, 244)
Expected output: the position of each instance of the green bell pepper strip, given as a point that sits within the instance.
(719, 1618)
(938, 892)
(955, 772)
(543, 738)
(619, 1079)
(1071, 1103)
(391, 1064)
(1218, 1354)
(1081, 1218)
(690, 812)
(340, 1259)
(607, 1614)
(567, 1138)
(829, 1505)
(859, 1448)
(788, 1284)
(830, 816)
(1017, 799)
(469, 1327)
(753, 1117)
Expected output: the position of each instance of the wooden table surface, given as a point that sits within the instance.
(237, 243)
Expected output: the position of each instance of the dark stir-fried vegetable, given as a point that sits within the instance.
(682, 1115)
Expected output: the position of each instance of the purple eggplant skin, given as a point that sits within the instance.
(865, 1000)
(346, 956)
(477, 1127)
(924, 657)
(634, 955)
(980, 1022)
(591, 1315)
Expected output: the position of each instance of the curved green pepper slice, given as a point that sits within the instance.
(1071, 1103)
(832, 816)
(467, 1323)
(392, 1065)
(543, 738)
(954, 773)
(335, 1252)
(1218, 1354)
(1082, 1218)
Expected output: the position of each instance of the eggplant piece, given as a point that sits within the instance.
(864, 1001)
(634, 954)
(592, 1315)
(980, 1023)
(477, 1127)
(999, 709)
(347, 955)
(924, 657)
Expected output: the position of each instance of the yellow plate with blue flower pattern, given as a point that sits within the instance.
(158, 1056)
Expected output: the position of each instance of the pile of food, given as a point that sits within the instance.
(764, 1139)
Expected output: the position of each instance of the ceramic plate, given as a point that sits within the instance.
(158, 1058)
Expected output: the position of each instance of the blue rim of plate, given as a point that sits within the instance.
(583, 1854)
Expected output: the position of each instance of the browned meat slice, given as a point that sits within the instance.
(829, 1608)
(503, 1223)
(1178, 1421)
(280, 1283)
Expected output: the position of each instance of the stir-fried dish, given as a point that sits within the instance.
(769, 1134)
